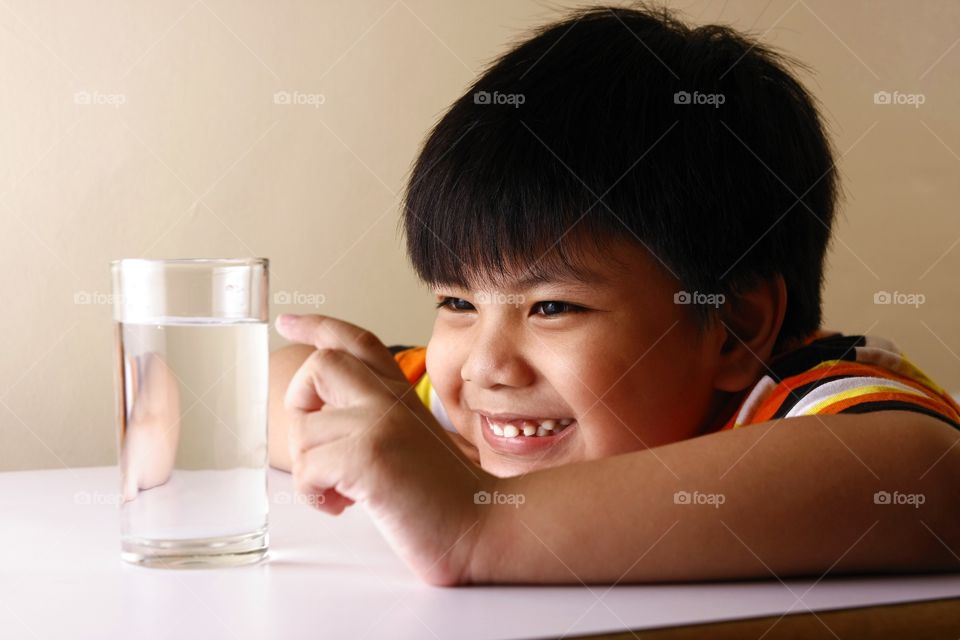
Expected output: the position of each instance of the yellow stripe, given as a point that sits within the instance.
(857, 391)
(912, 371)
(906, 368)
(422, 389)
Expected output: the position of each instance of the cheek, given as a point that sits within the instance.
(586, 378)
(443, 367)
(648, 396)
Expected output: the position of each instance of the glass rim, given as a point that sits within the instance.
(239, 262)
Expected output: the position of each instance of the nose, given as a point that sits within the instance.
(495, 360)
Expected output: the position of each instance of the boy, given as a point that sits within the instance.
(624, 221)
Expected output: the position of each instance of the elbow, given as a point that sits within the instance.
(938, 518)
(277, 460)
(278, 454)
(914, 509)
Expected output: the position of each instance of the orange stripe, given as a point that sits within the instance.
(413, 362)
(765, 411)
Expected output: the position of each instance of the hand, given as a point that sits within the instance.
(468, 449)
(361, 435)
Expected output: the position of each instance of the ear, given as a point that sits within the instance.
(750, 324)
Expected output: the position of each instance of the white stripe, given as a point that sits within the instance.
(834, 387)
(436, 407)
(761, 391)
(879, 357)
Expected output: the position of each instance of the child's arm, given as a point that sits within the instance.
(797, 498)
(798, 495)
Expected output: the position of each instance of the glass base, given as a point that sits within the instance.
(196, 553)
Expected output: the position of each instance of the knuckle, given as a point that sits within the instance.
(366, 339)
(328, 356)
(303, 488)
(296, 471)
(306, 432)
(301, 478)
(324, 355)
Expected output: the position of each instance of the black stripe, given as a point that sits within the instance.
(805, 358)
(397, 348)
(898, 405)
(797, 394)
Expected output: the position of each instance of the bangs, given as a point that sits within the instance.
(474, 266)
(492, 213)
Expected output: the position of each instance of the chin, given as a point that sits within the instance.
(502, 468)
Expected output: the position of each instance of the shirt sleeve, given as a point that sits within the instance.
(846, 387)
(413, 363)
(868, 393)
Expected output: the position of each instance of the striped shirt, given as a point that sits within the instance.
(413, 362)
(830, 373)
(827, 373)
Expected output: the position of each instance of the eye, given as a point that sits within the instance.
(454, 304)
(551, 308)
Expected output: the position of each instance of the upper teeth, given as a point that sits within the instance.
(529, 428)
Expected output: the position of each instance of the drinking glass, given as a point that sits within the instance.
(191, 365)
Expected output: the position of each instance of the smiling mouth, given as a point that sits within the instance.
(525, 427)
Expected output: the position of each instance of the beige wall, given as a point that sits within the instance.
(198, 160)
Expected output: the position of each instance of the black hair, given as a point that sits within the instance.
(615, 123)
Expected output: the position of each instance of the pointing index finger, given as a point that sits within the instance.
(324, 332)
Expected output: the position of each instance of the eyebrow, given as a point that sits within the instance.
(584, 278)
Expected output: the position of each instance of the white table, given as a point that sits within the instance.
(61, 577)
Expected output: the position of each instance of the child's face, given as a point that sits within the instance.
(631, 370)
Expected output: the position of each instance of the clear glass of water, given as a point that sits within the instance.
(191, 362)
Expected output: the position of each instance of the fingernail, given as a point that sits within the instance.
(286, 319)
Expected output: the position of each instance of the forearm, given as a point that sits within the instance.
(797, 498)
